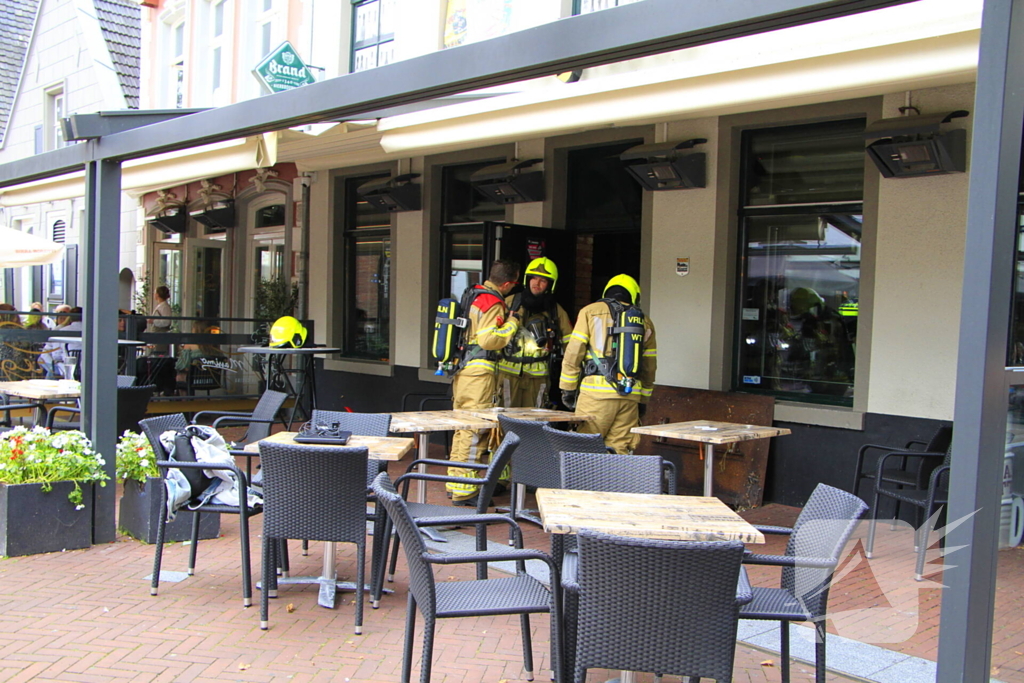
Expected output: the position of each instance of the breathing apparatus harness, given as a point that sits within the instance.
(621, 368)
(543, 328)
(451, 347)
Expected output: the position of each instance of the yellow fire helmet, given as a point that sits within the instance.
(543, 267)
(627, 283)
(287, 331)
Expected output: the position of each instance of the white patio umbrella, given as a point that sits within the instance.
(19, 248)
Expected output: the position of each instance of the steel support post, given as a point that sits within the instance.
(965, 635)
(101, 246)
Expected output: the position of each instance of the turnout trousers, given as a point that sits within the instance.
(613, 418)
(470, 392)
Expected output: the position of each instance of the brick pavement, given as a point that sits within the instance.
(87, 616)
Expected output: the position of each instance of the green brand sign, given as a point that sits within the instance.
(283, 70)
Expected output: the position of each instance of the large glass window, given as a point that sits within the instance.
(367, 329)
(800, 244)
(373, 35)
(588, 6)
(1015, 350)
(463, 213)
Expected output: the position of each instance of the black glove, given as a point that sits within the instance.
(641, 409)
(569, 399)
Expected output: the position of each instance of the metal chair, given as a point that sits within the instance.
(364, 424)
(677, 614)
(814, 548)
(155, 426)
(927, 498)
(520, 594)
(132, 403)
(899, 473)
(487, 484)
(610, 472)
(312, 492)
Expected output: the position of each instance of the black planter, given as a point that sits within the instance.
(139, 515)
(35, 521)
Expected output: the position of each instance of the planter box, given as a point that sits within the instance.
(35, 521)
(139, 515)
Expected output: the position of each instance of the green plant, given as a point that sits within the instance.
(142, 294)
(37, 456)
(275, 298)
(135, 458)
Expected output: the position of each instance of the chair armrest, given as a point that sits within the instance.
(229, 420)
(774, 530)
(509, 555)
(476, 520)
(446, 463)
(56, 409)
(936, 473)
(915, 442)
(668, 470)
(744, 593)
(880, 467)
(791, 561)
(427, 476)
(167, 464)
(234, 413)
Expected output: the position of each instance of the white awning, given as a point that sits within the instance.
(161, 171)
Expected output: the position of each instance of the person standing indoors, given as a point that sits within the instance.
(524, 370)
(610, 363)
(489, 328)
(162, 308)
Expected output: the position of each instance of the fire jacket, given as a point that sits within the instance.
(590, 340)
(490, 329)
(530, 357)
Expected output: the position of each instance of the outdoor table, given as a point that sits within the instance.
(710, 434)
(307, 377)
(43, 390)
(379, 448)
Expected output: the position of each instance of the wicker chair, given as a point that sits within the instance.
(132, 403)
(487, 484)
(155, 426)
(596, 472)
(680, 616)
(317, 493)
(520, 594)
(812, 553)
(124, 381)
(259, 421)
(913, 469)
(364, 424)
(535, 463)
(928, 498)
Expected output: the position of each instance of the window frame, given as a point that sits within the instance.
(746, 211)
(379, 40)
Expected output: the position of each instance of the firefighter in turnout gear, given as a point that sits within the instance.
(524, 368)
(489, 328)
(610, 363)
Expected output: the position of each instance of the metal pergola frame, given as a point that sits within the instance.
(637, 30)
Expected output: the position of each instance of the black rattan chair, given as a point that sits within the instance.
(677, 614)
(125, 381)
(6, 406)
(815, 545)
(155, 426)
(259, 421)
(911, 470)
(610, 472)
(535, 463)
(364, 424)
(520, 594)
(132, 403)
(928, 498)
(499, 459)
(312, 492)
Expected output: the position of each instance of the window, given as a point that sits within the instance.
(1015, 350)
(588, 6)
(265, 19)
(373, 39)
(367, 308)
(55, 110)
(218, 44)
(55, 279)
(463, 212)
(177, 66)
(802, 190)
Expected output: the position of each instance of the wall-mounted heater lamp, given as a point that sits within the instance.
(218, 214)
(913, 146)
(507, 184)
(170, 219)
(392, 194)
(662, 166)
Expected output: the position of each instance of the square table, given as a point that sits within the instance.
(710, 434)
(43, 390)
(380, 448)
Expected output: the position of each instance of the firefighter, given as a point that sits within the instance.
(594, 354)
(524, 367)
(490, 327)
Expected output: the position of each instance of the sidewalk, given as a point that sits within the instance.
(87, 616)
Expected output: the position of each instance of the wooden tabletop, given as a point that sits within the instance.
(42, 389)
(532, 414)
(379, 447)
(437, 421)
(706, 431)
(672, 518)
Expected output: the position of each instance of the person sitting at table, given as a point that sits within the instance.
(16, 357)
(192, 354)
(51, 359)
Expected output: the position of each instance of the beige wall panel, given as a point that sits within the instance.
(683, 226)
(321, 247)
(918, 275)
(410, 280)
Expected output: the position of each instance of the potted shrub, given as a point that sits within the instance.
(46, 490)
(139, 512)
